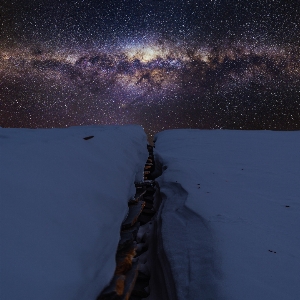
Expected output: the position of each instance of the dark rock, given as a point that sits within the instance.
(88, 137)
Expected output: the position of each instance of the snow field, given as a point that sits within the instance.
(231, 216)
(62, 202)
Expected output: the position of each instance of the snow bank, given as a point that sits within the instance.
(231, 216)
(62, 201)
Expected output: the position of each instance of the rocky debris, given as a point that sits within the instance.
(131, 279)
(141, 289)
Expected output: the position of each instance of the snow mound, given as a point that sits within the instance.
(231, 215)
(62, 202)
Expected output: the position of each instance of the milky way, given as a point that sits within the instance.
(161, 64)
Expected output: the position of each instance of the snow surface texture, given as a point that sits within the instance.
(62, 202)
(231, 215)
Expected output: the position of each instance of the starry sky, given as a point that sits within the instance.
(161, 64)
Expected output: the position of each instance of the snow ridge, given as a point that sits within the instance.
(189, 244)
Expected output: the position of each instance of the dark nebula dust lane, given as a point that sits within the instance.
(161, 64)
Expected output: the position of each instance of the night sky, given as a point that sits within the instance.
(161, 64)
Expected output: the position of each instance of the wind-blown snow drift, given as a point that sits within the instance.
(63, 199)
(231, 216)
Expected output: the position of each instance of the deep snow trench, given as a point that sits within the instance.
(142, 270)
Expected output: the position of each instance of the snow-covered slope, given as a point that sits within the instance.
(62, 201)
(231, 219)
